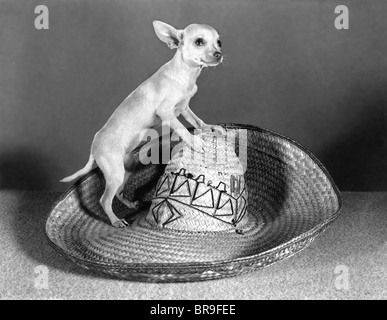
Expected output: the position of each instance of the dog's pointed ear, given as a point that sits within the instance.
(168, 34)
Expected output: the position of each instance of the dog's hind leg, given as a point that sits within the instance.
(120, 193)
(129, 164)
(114, 173)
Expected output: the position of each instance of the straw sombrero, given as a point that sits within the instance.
(267, 199)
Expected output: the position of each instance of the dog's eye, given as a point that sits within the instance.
(219, 43)
(199, 42)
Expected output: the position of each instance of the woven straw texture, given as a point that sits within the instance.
(291, 199)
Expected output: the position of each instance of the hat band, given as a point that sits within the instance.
(184, 203)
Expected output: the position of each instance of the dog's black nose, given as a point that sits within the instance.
(217, 55)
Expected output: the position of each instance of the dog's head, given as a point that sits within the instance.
(199, 43)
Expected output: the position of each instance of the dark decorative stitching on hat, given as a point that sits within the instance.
(181, 188)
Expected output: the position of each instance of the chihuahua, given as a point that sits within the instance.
(160, 99)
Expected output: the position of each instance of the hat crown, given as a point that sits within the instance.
(202, 191)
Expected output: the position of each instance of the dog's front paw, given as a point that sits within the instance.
(214, 127)
(197, 144)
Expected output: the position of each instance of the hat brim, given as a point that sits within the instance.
(292, 199)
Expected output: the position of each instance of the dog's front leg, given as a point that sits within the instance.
(194, 141)
(198, 123)
(192, 118)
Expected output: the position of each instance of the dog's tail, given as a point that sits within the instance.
(83, 171)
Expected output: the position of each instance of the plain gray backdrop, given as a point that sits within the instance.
(287, 69)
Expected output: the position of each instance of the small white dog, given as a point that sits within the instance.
(161, 98)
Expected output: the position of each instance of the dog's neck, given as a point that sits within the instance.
(184, 71)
